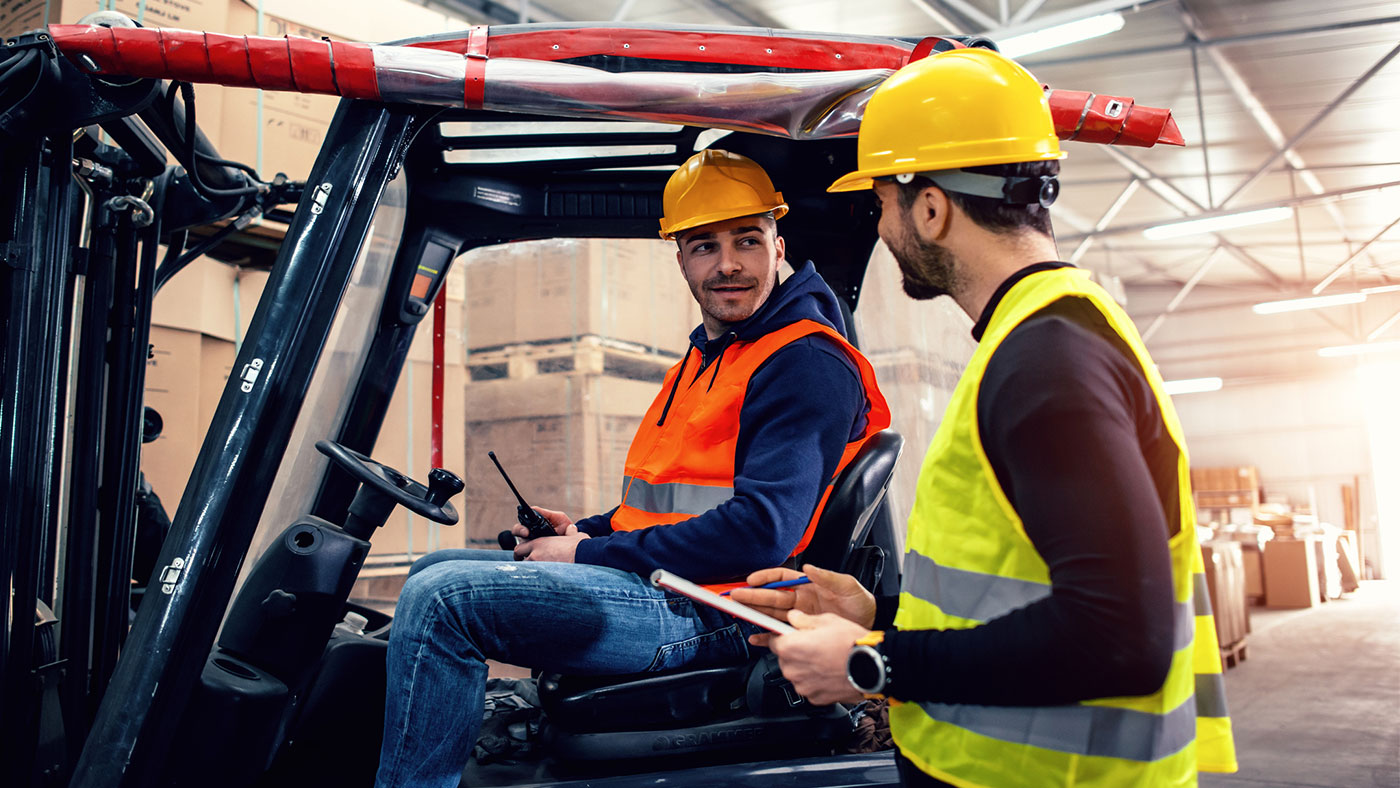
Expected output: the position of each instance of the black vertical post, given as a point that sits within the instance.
(33, 277)
(228, 487)
(137, 230)
(80, 558)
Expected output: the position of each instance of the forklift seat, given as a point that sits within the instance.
(737, 708)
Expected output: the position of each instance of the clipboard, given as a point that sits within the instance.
(672, 582)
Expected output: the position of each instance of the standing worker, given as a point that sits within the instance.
(1053, 627)
(728, 473)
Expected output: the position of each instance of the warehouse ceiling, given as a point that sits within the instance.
(1289, 104)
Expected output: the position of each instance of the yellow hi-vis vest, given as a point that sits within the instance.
(969, 561)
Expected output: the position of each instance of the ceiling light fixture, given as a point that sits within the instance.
(1192, 385)
(1361, 349)
(1212, 224)
(1313, 302)
(1061, 35)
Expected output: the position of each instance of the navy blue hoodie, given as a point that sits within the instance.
(802, 406)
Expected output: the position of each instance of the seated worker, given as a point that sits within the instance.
(726, 475)
(1053, 626)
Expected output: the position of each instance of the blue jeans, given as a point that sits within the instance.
(462, 607)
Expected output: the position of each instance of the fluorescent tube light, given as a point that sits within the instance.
(1380, 289)
(1061, 35)
(1313, 302)
(1192, 385)
(1212, 224)
(1357, 350)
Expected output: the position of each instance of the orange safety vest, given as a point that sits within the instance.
(684, 466)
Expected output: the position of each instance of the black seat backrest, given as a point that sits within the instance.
(855, 497)
(600, 718)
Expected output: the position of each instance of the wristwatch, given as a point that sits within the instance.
(867, 668)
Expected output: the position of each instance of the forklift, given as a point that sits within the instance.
(270, 685)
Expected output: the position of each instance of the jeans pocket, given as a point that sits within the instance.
(720, 647)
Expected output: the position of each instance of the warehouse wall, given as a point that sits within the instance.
(1300, 418)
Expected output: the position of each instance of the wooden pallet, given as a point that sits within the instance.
(1232, 655)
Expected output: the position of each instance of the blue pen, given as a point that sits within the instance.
(796, 581)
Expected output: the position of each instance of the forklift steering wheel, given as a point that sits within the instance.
(430, 501)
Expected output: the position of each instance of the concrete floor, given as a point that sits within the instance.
(1317, 701)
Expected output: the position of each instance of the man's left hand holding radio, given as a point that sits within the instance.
(556, 549)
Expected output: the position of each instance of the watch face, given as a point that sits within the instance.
(865, 670)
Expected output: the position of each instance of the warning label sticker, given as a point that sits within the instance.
(496, 196)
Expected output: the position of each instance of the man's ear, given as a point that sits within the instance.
(781, 247)
(930, 213)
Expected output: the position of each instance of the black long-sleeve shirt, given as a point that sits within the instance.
(1078, 444)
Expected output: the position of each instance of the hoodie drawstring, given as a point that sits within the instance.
(674, 385)
(720, 359)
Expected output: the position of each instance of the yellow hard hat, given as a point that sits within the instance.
(961, 108)
(714, 185)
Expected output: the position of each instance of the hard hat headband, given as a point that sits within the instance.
(1010, 189)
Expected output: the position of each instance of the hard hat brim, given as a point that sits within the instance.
(669, 233)
(863, 179)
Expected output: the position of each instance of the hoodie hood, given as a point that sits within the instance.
(802, 296)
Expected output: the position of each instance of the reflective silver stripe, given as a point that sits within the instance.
(1210, 695)
(967, 594)
(675, 497)
(983, 597)
(1200, 591)
(1184, 623)
(1083, 730)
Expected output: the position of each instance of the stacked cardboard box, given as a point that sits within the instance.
(562, 437)
(1225, 579)
(1291, 573)
(196, 319)
(18, 16)
(627, 291)
(405, 437)
(566, 343)
(1225, 488)
(272, 131)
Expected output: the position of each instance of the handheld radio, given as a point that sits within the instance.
(531, 519)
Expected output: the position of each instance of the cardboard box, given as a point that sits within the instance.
(211, 298)
(1290, 573)
(366, 20)
(563, 438)
(628, 290)
(1253, 558)
(18, 16)
(172, 388)
(1234, 477)
(404, 444)
(1221, 499)
(1225, 579)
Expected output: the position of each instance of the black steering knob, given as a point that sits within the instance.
(442, 485)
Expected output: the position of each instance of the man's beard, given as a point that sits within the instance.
(927, 268)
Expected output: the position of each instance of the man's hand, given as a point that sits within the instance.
(829, 592)
(559, 520)
(551, 548)
(814, 657)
